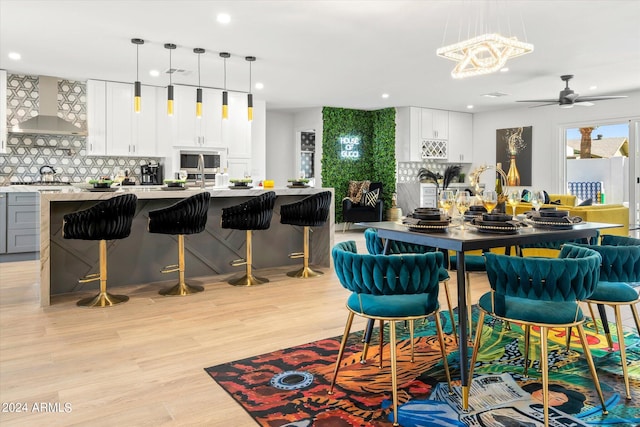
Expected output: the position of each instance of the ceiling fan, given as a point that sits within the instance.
(568, 98)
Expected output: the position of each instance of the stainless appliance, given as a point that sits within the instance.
(189, 163)
(151, 173)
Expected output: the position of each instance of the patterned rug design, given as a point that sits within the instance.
(289, 387)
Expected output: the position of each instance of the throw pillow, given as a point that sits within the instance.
(356, 189)
(371, 198)
(587, 202)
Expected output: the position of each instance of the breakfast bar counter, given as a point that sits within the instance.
(139, 258)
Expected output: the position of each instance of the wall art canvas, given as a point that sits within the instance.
(513, 151)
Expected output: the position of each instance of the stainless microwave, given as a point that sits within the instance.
(189, 163)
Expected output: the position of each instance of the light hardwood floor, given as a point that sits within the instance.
(142, 363)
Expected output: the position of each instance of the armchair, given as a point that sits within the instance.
(357, 212)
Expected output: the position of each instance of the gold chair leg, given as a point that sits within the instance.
(545, 373)
(248, 279)
(305, 272)
(343, 343)
(527, 338)
(595, 323)
(443, 351)
(453, 321)
(394, 370)
(592, 366)
(382, 342)
(635, 317)
(476, 345)
(411, 338)
(181, 288)
(623, 350)
(103, 299)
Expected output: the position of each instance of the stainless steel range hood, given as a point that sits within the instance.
(47, 121)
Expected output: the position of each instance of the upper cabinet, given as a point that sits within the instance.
(423, 133)
(191, 131)
(3, 111)
(434, 124)
(459, 146)
(114, 128)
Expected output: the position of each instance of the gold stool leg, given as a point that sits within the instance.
(305, 272)
(248, 279)
(181, 288)
(103, 299)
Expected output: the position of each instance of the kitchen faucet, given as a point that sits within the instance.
(201, 169)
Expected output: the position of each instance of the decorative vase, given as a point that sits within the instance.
(513, 176)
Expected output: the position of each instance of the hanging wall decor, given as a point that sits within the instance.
(514, 152)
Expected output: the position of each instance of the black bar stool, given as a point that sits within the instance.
(254, 214)
(188, 216)
(312, 211)
(108, 220)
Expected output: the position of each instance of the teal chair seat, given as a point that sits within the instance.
(614, 292)
(390, 306)
(527, 310)
(474, 263)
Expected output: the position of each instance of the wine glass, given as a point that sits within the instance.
(489, 200)
(537, 199)
(513, 199)
(182, 174)
(447, 199)
(463, 201)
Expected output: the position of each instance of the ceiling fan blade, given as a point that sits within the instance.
(598, 98)
(584, 103)
(555, 101)
(544, 105)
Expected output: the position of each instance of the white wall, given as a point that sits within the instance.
(280, 153)
(548, 155)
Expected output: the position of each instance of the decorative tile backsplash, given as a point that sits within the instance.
(408, 171)
(26, 154)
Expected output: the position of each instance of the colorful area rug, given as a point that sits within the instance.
(290, 387)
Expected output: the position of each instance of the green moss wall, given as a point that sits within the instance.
(377, 162)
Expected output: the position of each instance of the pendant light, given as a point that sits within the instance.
(136, 86)
(225, 95)
(199, 51)
(250, 59)
(171, 47)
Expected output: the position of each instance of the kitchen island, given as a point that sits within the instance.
(139, 258)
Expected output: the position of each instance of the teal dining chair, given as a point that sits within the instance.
(389, 288)
(620, 268)
(543, 293)
(375, 246)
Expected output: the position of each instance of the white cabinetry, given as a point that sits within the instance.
(236, 130)
(3, 111)
(190, 131)
(96, 117)
(114, 128)
(434, 124)
(459, 146)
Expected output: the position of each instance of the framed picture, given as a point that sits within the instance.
(513, 152)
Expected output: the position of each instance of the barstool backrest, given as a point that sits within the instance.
(254, 214)
(107, 220)
(312, 211)
(187, 216)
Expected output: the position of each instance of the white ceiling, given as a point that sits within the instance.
(332, 53)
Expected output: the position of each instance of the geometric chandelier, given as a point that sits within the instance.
(483, 54)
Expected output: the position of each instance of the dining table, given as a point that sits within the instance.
(468, 238)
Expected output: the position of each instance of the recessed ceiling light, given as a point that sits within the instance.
(154, 73)
(385, 95)
(223, 18)
(15, 56)
(494, 94)
(504, 70)
(469, 107)
(594, 87)
(259, 85)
